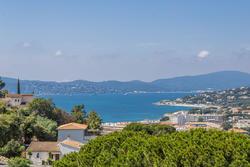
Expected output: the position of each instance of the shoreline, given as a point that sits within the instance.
(172, 103)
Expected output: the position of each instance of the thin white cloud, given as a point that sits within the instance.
(58, 53)
(203, 54)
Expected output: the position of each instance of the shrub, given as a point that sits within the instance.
(18, 162)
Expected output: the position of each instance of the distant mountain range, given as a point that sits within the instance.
(211, 81)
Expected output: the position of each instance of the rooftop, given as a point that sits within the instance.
(73, 126)
(18, 95)
(43, 146)
(72, 143)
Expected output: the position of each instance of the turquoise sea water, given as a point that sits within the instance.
(119, 107)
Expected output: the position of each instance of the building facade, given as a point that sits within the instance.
(15, 100)
(40, 152)
(74, 131)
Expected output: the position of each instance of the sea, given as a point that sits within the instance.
(121, 107)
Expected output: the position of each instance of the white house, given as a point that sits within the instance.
(74, 131)
(18, 99)
(71, 137)
(39, 152)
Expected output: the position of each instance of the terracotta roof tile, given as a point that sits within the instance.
(18, 95)
(14, 96)
(43, 146)
(72, 143)
(72, 126)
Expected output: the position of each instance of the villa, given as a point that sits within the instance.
(73, 131)
(71, 137)
(15, 100)
(39, 152)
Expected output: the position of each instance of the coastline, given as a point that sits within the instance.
(172, 103)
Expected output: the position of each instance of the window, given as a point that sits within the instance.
(56, 156)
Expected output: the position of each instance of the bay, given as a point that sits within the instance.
(121, 107)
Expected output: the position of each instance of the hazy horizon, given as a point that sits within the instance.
(122, 40)
(30, 79)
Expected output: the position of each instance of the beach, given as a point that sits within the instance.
(173, 103)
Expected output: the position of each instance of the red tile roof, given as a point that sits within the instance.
(18, 95)
(72, 126)
(72, 143)
(43, 146)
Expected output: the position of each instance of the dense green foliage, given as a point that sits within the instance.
(150, 129)
(196, 148)
(93, 120)
(3, 108)
(43, 107)
(18, 162)
(2, 84)
(46, 108)
(9, 128)
(45, 129)
(11, 149)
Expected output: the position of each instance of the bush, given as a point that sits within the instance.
(11, 149)
(155, 129)
(18, 162)
(3, 108)
(195, 148)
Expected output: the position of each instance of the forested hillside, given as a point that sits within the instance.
(214, 81)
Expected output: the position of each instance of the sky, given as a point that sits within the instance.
(64, 40)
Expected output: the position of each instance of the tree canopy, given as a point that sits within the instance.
(2, 84)
(93, 120)
(79, 114)
(45, 129)
(43, 107)
(151, 129)
(46, 108)
(134, 147)
(12, 149)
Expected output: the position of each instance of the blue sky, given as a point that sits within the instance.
(122, 39)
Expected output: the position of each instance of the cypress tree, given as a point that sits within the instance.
(18, 87)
